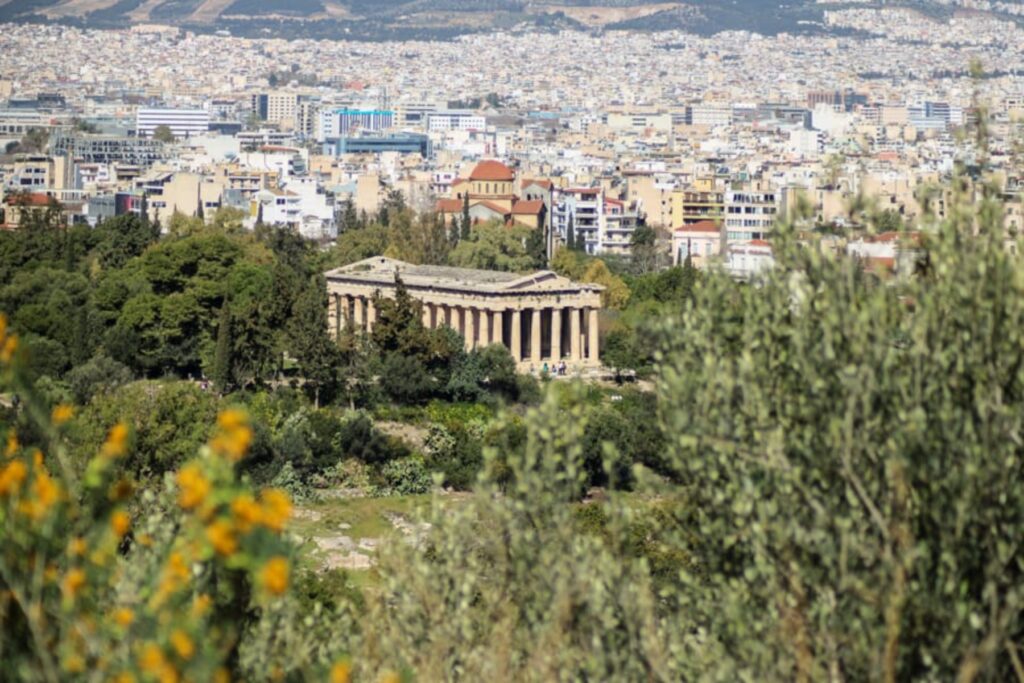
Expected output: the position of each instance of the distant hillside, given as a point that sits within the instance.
(433, 19)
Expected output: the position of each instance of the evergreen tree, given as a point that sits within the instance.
(436, 248)
(311, 343)
(535, 248)
(570, 234)
(466, 221)
(222, 361)
(454, 232)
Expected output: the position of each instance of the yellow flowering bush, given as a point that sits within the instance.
(97, 583)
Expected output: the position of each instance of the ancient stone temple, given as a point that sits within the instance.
(540, 317)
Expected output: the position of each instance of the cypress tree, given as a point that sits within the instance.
(466, 224)
(222, 360)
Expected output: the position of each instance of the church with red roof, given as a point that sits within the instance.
(490, 191)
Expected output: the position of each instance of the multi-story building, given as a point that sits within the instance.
(702, 201)
(338, 123)
(106, 149)
(455, 119)
(618, 224)
(711, 114)
(414, 114)
(582, 210)
(700, 241)
(183, 123)
(403, 143)
(750, 213)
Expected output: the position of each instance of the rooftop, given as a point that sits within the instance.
(382, 270)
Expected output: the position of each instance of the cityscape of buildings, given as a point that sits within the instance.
(708, 140)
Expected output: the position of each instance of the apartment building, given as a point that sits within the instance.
(750, 213)
(618, 223)
(582, 209)
(184, 123)
(455, 119)
(703, 200)
(338, 123)
(106, 149)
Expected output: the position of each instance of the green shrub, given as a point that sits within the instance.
(403, 477)
(169, 421)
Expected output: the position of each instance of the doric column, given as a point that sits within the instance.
(498, 327)
(556, 334)
(427, 315)
(448, 315)
(592, 350)
(469, 327)
(371, 315)
(343, 312)
(332, 314)
(575, 352)
(517, 340)
(535, 335)
(485, 327)
(360, 314)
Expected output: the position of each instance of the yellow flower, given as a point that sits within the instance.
(77, 547)
(275, 575)
(12, 476)
(182, 644)
(341, 672)
(62, 414)
(277, 508)
(175, 575)
(120, 522)
(235, 435)
(152, 659)
(73, 582)
(231, 419)
(46, 492)
(10, 347)
(246, 512)
(201, 605)
(194, 486)
(74, 664)
(222, 537)
(124, 617)
(125, 677)
(221, 675)
(12, 444)
(116, 444)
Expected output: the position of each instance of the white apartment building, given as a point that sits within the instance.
(711, 114)
(640, 121)
(184, 123)
(583, 209)
(618, 223)
(338, 123)
(747, 261)
(455, 119)
(749, 214)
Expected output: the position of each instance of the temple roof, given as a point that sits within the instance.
(381, 270)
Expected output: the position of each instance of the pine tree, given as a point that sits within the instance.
(222, 359)
(570, 234)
